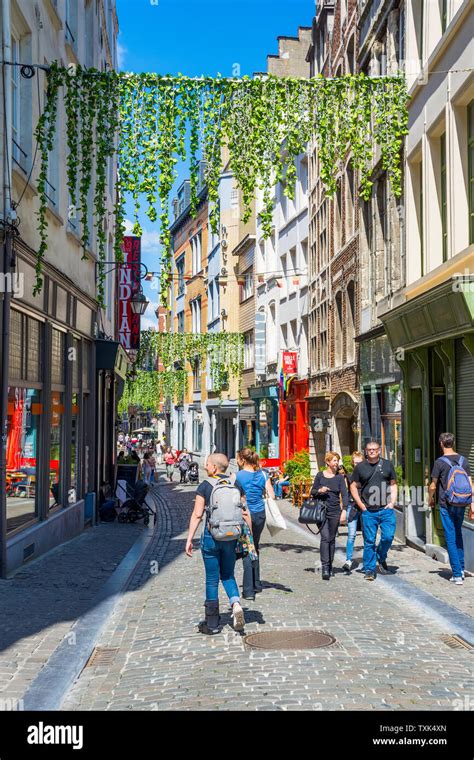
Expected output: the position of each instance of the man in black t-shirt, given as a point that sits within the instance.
(374, 490)
(452, 515)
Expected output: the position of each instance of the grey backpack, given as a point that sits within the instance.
(225, 519)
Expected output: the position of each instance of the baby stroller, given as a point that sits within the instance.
(135, 507)
(193, 473)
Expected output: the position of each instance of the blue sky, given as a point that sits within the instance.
(196, 37)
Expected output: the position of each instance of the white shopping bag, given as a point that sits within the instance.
(274, 519)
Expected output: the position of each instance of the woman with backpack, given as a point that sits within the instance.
(256, 484)
(218, 552)
(330, 487)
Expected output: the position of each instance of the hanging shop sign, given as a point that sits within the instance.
(128, 285)
(290, 363)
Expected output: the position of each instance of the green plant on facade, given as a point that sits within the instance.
(264, 123)
(220, 354)
(298, 468)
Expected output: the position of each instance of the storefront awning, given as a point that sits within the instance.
(445, 311)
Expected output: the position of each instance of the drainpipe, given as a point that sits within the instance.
(6, 296)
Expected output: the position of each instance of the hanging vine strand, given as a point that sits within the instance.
(221, 354)
(262, 123)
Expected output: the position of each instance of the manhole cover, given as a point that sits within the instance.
(289, 640)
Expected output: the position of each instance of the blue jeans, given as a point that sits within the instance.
(278, 488)
(219, 563)
(386, 520)
(452, 519)
(351, 534)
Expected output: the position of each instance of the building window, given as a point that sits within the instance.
(180, 270)
(444, 201)
(71, 22)
(198, 426)
(196, 315)
(401, 39)
(470, 183)
(444, 15)
(52, 171)
(196, 376)
(420, 218)
(323, 239)
(419, 22)
(248, 350)
(323, 333)
(271, 337)
(349, 210)
(196, 252)
(338, 328)
(350, 323)
(246, 288)
(181, 322)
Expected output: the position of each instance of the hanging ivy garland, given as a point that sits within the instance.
(219, 354)
(264, 123)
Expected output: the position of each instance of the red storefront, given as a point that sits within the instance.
(294, 429)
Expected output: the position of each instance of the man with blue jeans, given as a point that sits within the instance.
(452, 516)
(374, 490)
(218, 556)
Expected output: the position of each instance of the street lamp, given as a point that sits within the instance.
(139, 303)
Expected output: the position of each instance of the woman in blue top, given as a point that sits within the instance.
(256, 484)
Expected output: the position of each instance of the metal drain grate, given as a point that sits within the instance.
(289, 640)
(456, 642)
(102, 656)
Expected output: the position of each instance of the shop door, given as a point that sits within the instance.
(465, 405)
(438, 410)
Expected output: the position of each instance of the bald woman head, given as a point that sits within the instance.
(218, 461)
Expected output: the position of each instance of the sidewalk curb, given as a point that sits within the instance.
(48, 690)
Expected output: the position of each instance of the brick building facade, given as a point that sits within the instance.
(334, 299)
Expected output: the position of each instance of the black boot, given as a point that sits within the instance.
(210, 625)
(256, 577)
(326, 572)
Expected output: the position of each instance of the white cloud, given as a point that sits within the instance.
(150, 238)
(121, 53)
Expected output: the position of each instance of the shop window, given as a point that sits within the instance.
(197, 432)
(74, 491)
(58, 367)
(23, 419)
(23, 440)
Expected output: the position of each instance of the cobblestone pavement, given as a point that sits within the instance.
(41, 602)
(387, 655)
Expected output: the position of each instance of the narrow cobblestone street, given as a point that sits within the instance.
(389, 653)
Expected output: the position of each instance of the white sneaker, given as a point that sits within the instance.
(458, 581)
(238, 620)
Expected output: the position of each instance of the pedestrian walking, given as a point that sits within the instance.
(374, 490)
(256, 484)
(219, 555)
(330, 487)
(146, 468)
(452, 488)
(278, 485)
(352, 515)
(170, 461)
(184, 460)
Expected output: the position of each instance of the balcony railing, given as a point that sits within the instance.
(50, 192)
(19, 156)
